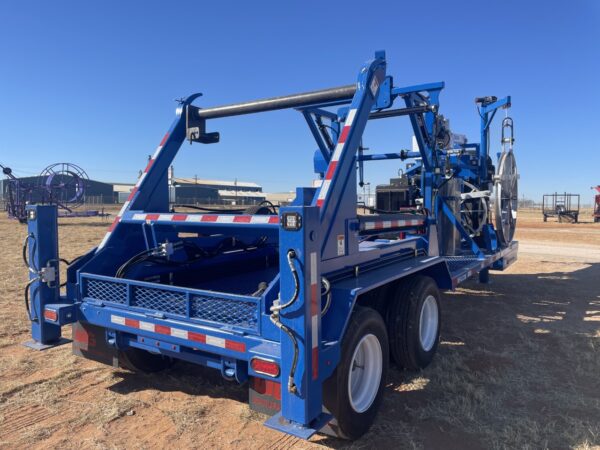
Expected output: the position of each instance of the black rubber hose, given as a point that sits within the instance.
(26, 295)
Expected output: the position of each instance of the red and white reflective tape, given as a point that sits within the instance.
(384, 224)
(179, 333)
(134, 191)
(208, 218)
(314, 315)
(335, 158)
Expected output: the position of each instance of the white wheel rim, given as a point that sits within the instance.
(428, 323)
(365, 373)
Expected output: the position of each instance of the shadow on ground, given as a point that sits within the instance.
(517, 367)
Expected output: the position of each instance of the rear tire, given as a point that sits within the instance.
(413, 322)
(354, 392)
(138, 360)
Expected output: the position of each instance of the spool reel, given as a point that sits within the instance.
(506, 197)
(64, 184)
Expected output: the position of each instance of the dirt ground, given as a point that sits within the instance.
(518, 367)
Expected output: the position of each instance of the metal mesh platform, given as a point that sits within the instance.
(159, 300)
(107, 291)
(458, 264)
(234, 311)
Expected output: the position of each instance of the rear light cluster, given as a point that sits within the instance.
(50, 314)
(265, 367)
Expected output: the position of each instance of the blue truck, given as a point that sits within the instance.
(309, 303)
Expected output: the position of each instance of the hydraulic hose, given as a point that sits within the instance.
(275, 318)
(291, 384)
(327, 285)
(291, 255)
(26, 295)
(31, 268)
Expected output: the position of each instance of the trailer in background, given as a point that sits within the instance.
(564, 206)
(596, 213)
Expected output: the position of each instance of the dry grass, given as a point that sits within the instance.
(517, 367)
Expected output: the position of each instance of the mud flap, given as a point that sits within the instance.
(89, 341)
(265, 396)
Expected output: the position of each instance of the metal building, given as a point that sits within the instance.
(202, 191)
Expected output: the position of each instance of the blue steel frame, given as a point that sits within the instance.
(328, 244)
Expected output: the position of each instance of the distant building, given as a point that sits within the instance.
(281, 198)
(122, 191)
(181, 191)
(202, 191)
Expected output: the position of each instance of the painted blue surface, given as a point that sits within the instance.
(327, 243)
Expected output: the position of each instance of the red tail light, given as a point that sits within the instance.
(50, 314)
(265, 366)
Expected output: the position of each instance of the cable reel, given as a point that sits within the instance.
(506, 186)
(64, 184)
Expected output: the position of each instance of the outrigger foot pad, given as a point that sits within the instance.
(35, 345)
(278, 422)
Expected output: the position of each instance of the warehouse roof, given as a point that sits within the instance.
(224, 193)
(215, 182)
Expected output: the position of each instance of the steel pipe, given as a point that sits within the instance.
(275, 103)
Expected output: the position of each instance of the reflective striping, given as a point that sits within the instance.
(140, 179)
(134, 191)
(314, 312)
(315, 363)
(350, 118)
(179, 333)
(161, 329)
(132, 323)
(104, 239)
(313, 268)
(117, 319)
(386, 224)
(315, 330)
(147, 326)
(337, 152)
(114, 224)
(344, 134)
(331, 168)
(164, 139)
(208, 218)
(217, 342)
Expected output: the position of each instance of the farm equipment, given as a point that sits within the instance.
(61, 184)
(564, 206)
(597, 204)
(306, 304)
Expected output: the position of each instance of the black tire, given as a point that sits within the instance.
(138, 360)
(349, 423)
(403, 323)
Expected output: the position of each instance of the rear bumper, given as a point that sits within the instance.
(180, 339)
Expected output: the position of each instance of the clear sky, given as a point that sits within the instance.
(94, 82)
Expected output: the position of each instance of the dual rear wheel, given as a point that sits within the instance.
(409, 335)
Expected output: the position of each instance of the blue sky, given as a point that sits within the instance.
(93, 82)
